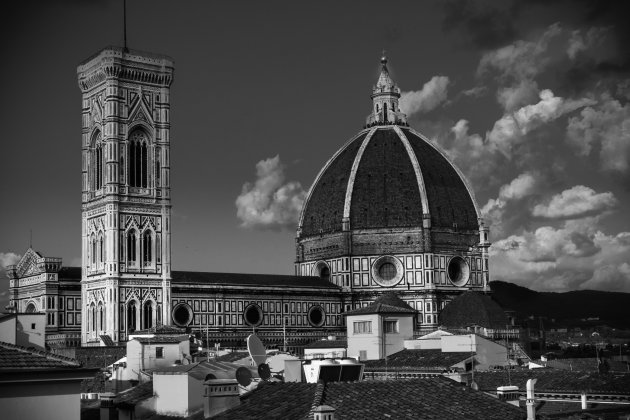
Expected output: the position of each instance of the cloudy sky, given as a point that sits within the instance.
(529, 99)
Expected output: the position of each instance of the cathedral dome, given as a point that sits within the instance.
(388, 176)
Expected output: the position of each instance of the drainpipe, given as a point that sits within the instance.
(531, 407)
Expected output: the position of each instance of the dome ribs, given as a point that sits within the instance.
(450, 203)
(324, 208)
(385, 185)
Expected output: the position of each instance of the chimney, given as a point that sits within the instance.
(323, 412)
(531, 403)
(108, 410)
(220, 396)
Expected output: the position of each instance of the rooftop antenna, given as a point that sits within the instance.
(125, 49)
(30, 239)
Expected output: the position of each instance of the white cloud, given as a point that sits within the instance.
(494, 210)
(578, 201)
(518, 95)
(520, 60)
(580, 42)
(475, 92)
(604, 127)
(511, 129)
(8, 258)
(432, 94)
(520, 187)
(561, 259)
(270, 202)
(611, 278)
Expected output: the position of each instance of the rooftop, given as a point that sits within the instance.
(162, 329)
(387, 303)
(553, 380)
(14, 357)
(420, 180)
(473, 308)
(327, 344)
(585, 364)
(132, 396)
(258, 280)
(411, 359)
(433, 398)
(160, 339)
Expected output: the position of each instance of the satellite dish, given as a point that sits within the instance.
(256, 349)
(264, 371)
(243, 376)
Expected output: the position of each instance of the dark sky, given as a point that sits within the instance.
(530, 100)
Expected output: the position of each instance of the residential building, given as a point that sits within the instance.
(379, 329)
(24, 329)
(38, 385)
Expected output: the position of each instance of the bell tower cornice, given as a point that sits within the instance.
(131, 66)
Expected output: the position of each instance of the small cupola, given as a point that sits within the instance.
(385, 97)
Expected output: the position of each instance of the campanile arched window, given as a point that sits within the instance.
(131, 247)
(138, 159)
(147, 243)
(98, 161)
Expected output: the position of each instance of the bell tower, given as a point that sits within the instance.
(126, 203)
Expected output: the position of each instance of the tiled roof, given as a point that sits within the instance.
(387, 303)
(434, 398)
(586, 364)
(385, 191)
(132, 396)
(160, 339)
(553, 380)
(232, 356)
(242, 279)
(274, 400)
(327, 344)
(14, 357)
(411, 359)
(473, 308)
(162, 329)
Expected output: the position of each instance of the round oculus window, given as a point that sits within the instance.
(458, 271)
(182, 314)
(387, 271)
(253, 315)
(316, 316)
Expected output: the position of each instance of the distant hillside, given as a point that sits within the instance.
(612, 308)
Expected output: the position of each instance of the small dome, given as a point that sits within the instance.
(473, 308)
(388, 176)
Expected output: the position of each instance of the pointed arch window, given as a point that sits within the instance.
(131, 247)
(101, 249)
(98, 161)
(100, 316)
(131, 316)
(93, 245)
(93, 316)
(147, 254)
(147, 315)
(138, 159)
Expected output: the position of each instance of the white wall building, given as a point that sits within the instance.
(379, 329)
